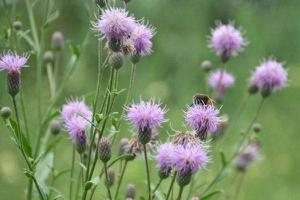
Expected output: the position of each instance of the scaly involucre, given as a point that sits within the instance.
(226, 40)
(141, 39)
(164, 157)
(115, 23)
(76, 129)
(189, 159)
(270, 75)
(145, 115)
(10, 61)
(202, 118)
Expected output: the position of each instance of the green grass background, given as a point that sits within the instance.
(172, 74)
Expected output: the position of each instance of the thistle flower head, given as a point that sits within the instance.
(76, 129)
(189, 159)
(115, 23)
(186, 139)
(12, 62)
(202, 118)
(226, 41)
(141, 39)
(76, 108)
(221, 80)
(270, 76)
(164, 158)
(145, 115)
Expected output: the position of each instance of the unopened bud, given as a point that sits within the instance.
(114, 44)
(257, 127)
(104, 149)
(48, 57)
(116, 60)
(57, 41)
(17, 25)
(55, 127)
(130, 191)
(206, 65)
(13, 82)
(5, 112)
(110, 177)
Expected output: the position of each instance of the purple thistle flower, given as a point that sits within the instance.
(145, 115)
(11, 62)
(164, 159)
(189, 159)
(115, 23)
(203, 119)
(76, 129)
(220, 80)
(269, 76)
(226, 41)
(141, 39)
(76, 108)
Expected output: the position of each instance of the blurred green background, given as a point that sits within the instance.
(172, 74)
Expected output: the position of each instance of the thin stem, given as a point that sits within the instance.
(180, 193)
(239, 186)
(156, 187)
(51, 80)
(120, 180)
(72, 174)
(147, 171)
(24, 115)
(171, 186)
(107, 180)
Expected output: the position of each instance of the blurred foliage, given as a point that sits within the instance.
(172, 74)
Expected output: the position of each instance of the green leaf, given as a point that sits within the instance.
(75, 48)
(53, 16)
(94, 182)
(211, 195)
(26, 37)
(223, 159)
(142, 198)
(43, 169)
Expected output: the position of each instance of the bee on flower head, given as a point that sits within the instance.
(203, 99)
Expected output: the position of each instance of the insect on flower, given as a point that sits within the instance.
(203, 99)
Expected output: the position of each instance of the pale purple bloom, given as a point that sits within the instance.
(76, 108)
(226, 40)
(189, 159)
(248, 155)
(269, 76)
(203, 119)
(141, 39)
(220, 80)
(145, 115)
(12, 62)
(164, 157)
(76, 129)
(115, 23)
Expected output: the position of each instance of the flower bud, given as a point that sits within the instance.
(114, 44)
(135, 58)
(252, 88)
(116, 60)
(257, 127)
(17, 25)
(123, 146)
(13, 82)
(5, 112)
(144, 135)
(55, 127)
(48, 57)
(184, 178)
(57, 41)
(104, 149)
(110, 177)
(101, 3)
(206, 65)
(130, 191)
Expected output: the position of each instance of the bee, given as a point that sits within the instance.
(203, 99)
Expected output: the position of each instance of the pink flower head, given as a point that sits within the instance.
(226, 40)
(12, 62)
(141, 39)
(164, 157)
(269, 76)
(203, 119)
(76, 129)
(189, 159)
(220, 80)
(115, 23)
(76, 108)
(145, 115)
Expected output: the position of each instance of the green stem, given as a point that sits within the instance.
(107, 180)
(171, 185)
(180, 193)
(72, 174)
(24, 115)
(51, 80)
(147, 171)
(120, 180)
(156, 187)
